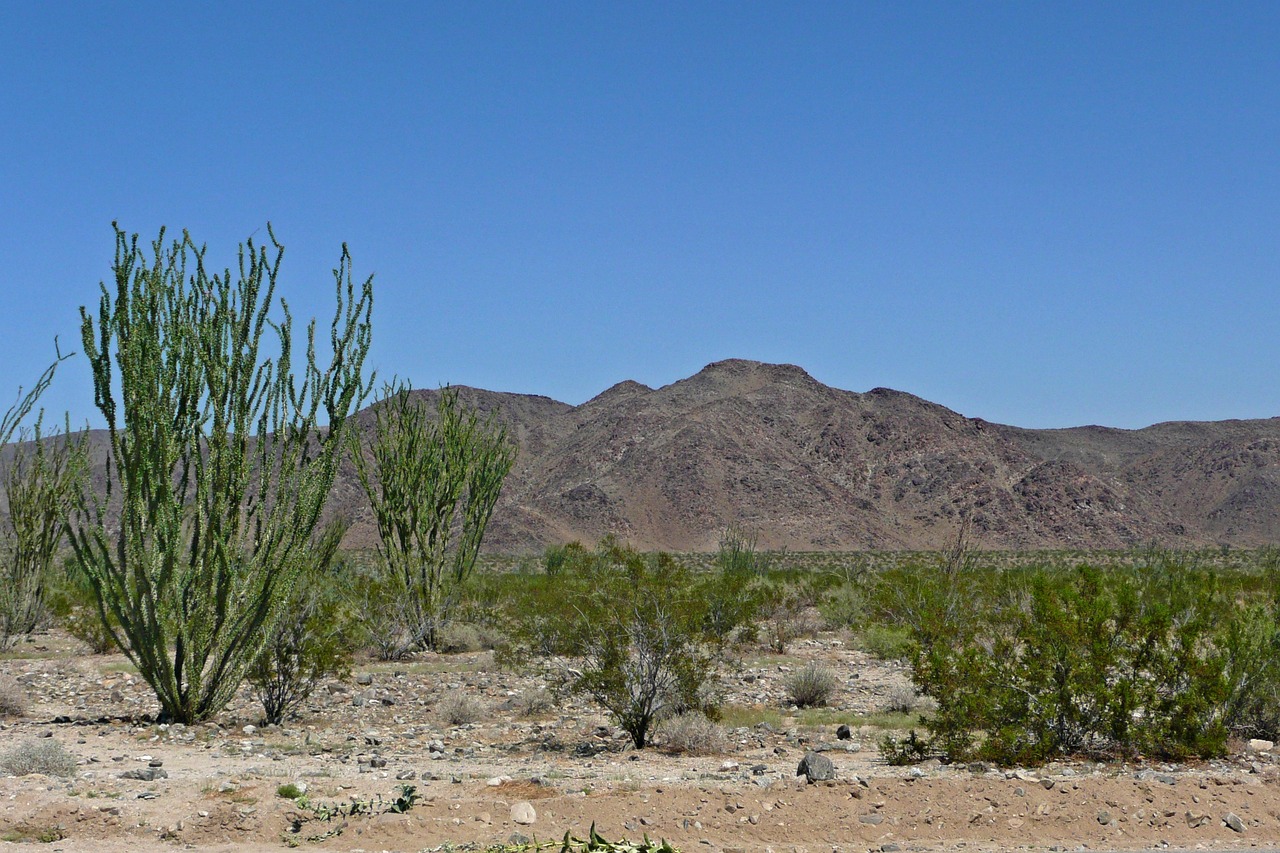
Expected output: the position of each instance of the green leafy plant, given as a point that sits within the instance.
(219, 458)
(403, 800)
(432, 479)
(626, 629)
(1159, 660)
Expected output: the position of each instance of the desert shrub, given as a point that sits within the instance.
(13, 701)
(1154, 660)
(844, 606)
(73, 606)
(557, 557)
(733, 599)
(692, 733)
(455, 637)
(310, 642)
(902, 699)
(1250, 643)
(386, 628)
(786, 615)
(899, 752)
(289, 791)
(626, 629)
(886, 642)
(43, 755)
(458, 708)
(531, 703)
(811, 686)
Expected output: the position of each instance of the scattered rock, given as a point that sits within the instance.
(1259, 745)
(816, 768)
(145, 774)
(1233, 822)
(523, 813)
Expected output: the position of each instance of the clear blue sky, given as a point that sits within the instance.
(1045, 214)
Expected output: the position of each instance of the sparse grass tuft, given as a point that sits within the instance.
(743, 716)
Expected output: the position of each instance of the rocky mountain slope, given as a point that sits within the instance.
(810, 467)
(816, 468)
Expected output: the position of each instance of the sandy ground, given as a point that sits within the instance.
(383, 728)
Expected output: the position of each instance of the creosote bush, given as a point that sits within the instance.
(811, 686)
(626, 629)
(1164, 660)
(43, 755)
(310, 641)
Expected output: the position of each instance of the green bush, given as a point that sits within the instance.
(626, 629)
(886, 642)
(1158, 661)
(844, 606)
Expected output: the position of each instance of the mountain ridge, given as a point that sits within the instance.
(812, 467)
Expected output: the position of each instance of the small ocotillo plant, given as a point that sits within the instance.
(39, 480)
(432, 481)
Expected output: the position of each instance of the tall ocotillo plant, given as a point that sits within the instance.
(422, 469)
(219, 456)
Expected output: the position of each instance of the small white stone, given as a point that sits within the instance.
(523, 813)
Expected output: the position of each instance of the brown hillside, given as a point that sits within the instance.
(817, 468)
(811, 467)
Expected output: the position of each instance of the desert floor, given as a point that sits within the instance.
(216, 784)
